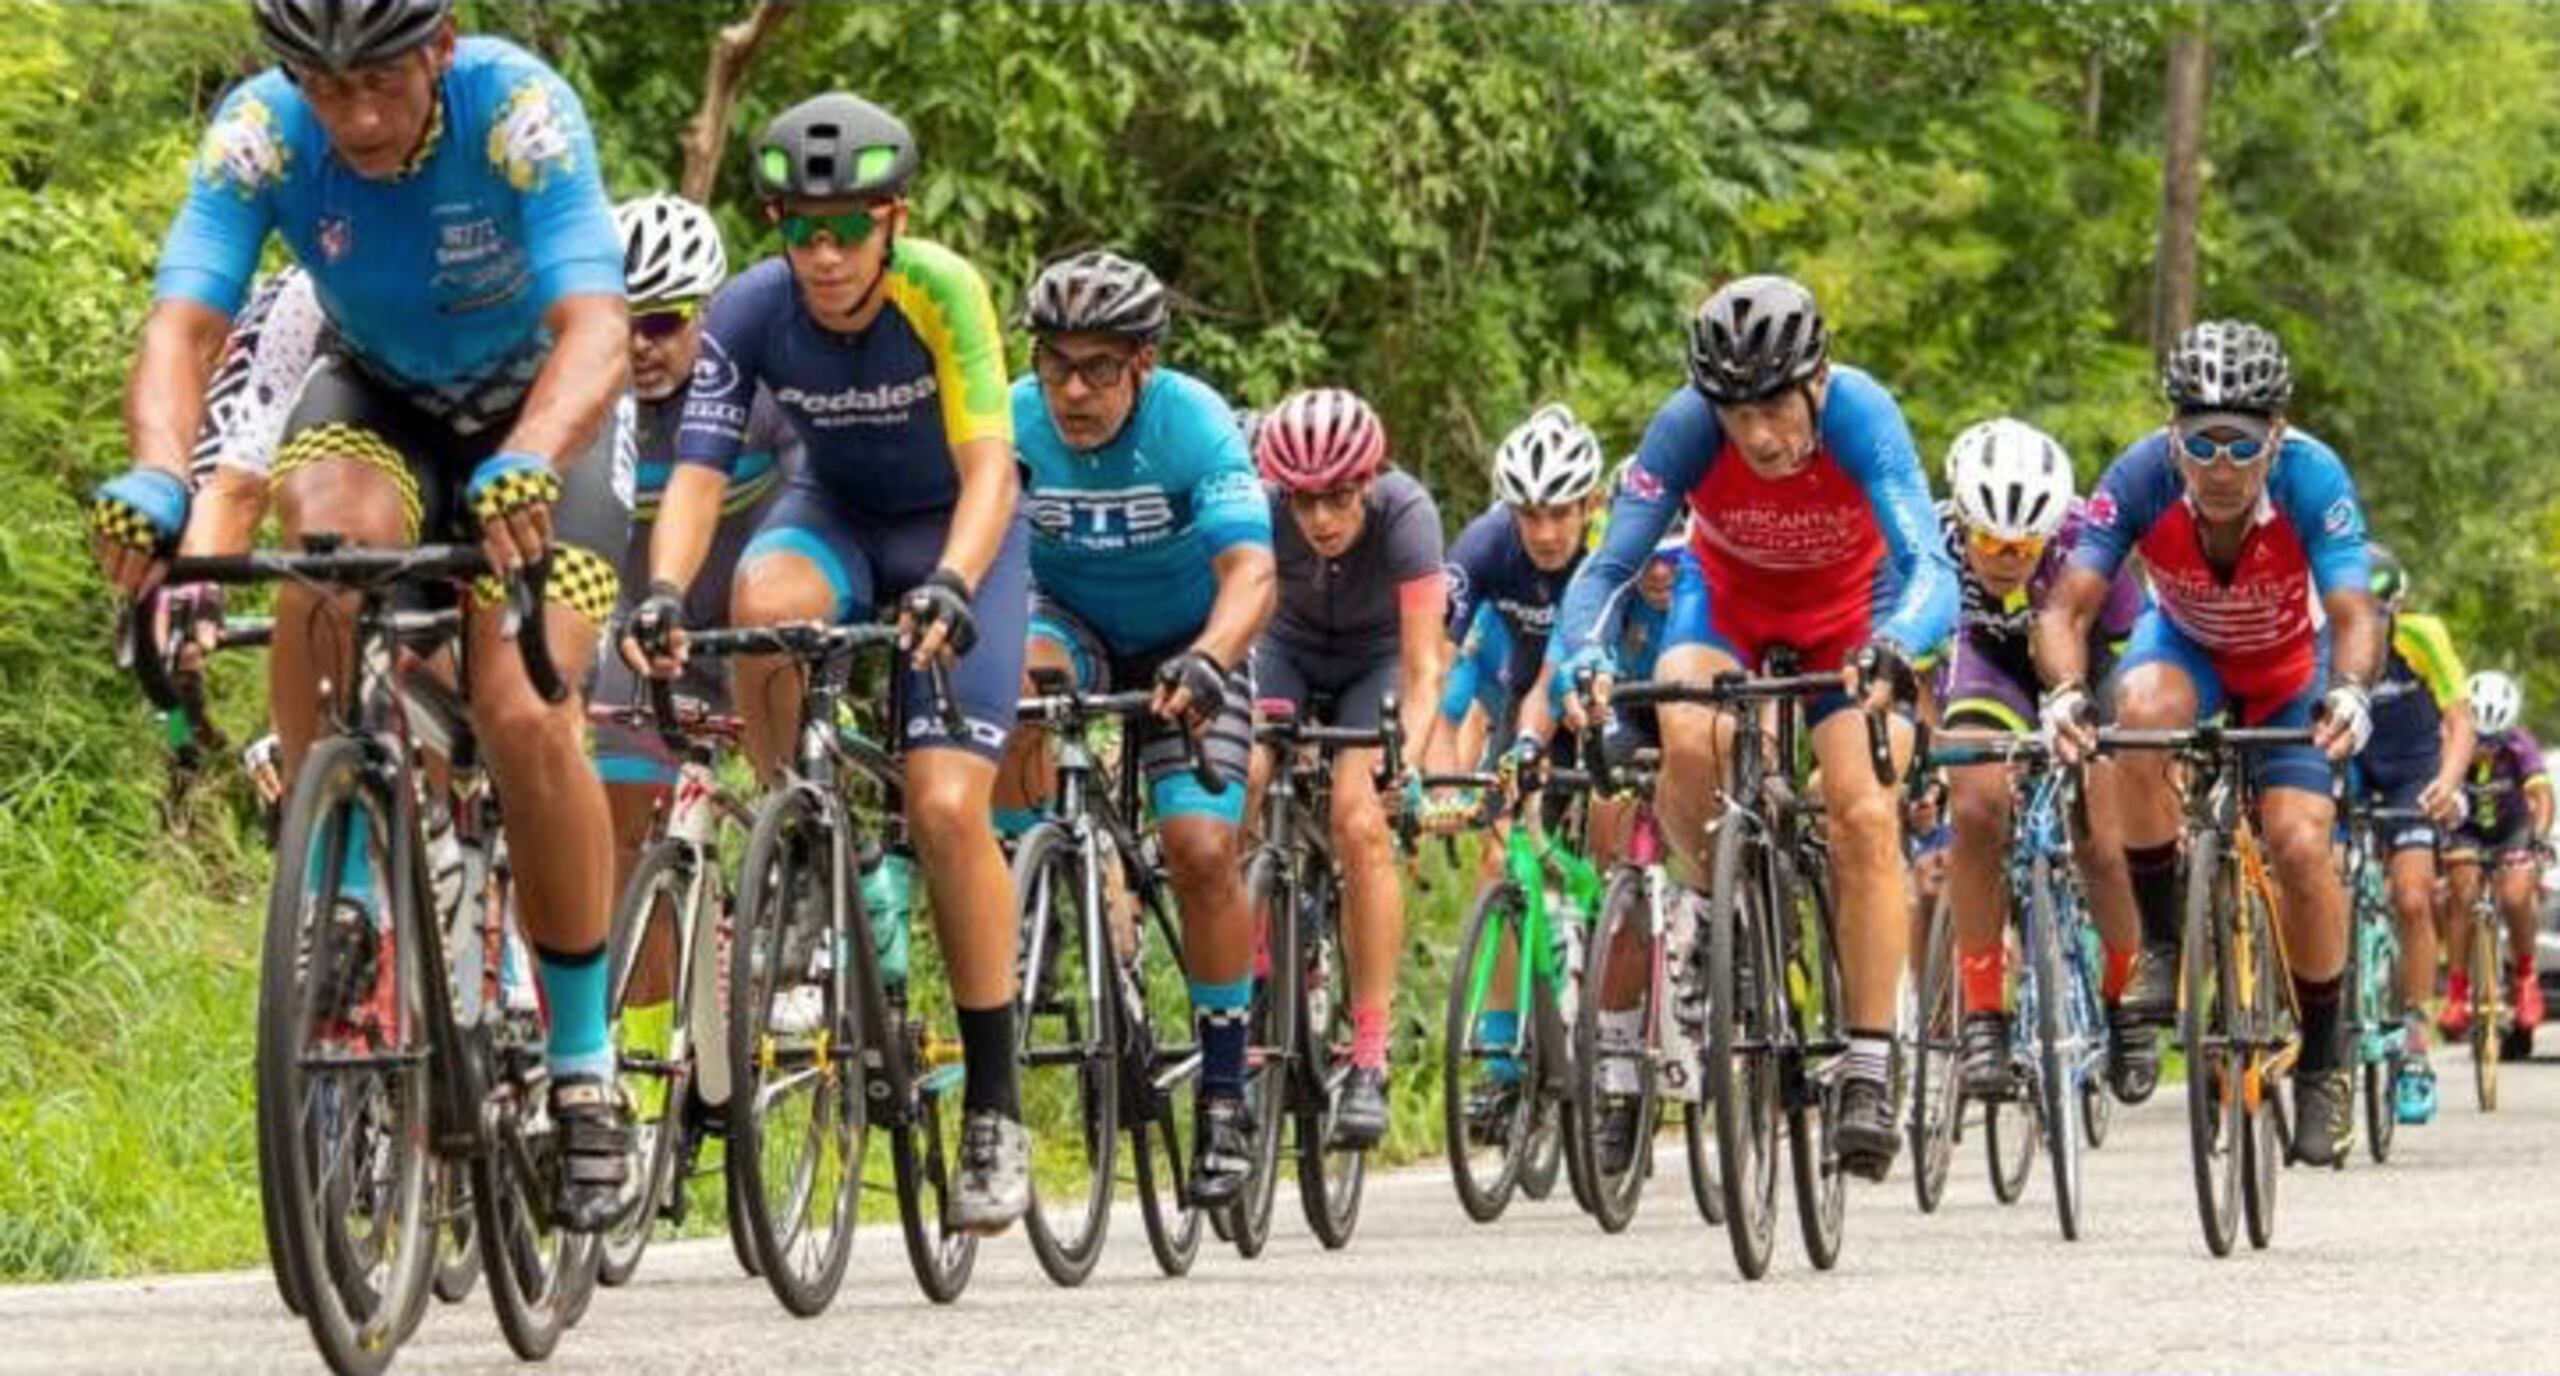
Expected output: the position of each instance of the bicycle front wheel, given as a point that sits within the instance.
(1612, 1073)
(1936, 1097)
(650, 985)
(1485, 1101)
(1272, 1044)
(2206, 1027)
(2061, 1068)
(1330, 1179)
(2263, 1150)
(1069, 1054)
(2488, 1000)
(1741, 1070)
(1813, 1143)
(1159, 1085)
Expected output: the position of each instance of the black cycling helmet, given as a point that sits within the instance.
(2228, 365)
(834, 147)
(1098, 292)
(2390, 582)
(335, 35)
(1756, 337)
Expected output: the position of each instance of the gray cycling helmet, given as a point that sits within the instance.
(1756, 337)
(834, 147)
(1098, 292)
(2228, 365)
(335, 35)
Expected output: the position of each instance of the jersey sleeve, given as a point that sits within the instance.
(2130, 496)
(211, 250)
(1482, 654)
(1413, 544)
(2528, 755)
(540, 144)
(2314, 492)
(2427, 646)
(722, 394)
(1679, 445)
(1470, 564)
(1863, 428)
(947, 302)
(1227, 503)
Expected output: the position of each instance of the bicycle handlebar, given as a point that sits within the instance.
(1068, 709)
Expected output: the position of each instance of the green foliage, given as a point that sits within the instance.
(1461, 209)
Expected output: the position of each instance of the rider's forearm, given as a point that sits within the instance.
(2356, 637)
(579, 383)
(1418, 700)
(1535, 721)
(164, 398)
(688, 516)
(225, 516)
(2060, 641)
(1248, 590)
(990, 490)
(2459, 738)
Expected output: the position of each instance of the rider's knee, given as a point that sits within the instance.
(767, 591)
(1868, 816)
(1198, 851)
(1979, 809)
(943, 807)
(2300, 845)
(1360, 833)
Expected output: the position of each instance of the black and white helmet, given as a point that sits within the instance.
(2228, 365)
(834, 147)
(2496, 702)
(335, 35)
(1552, 458)
(1756, 337)
(2010, 480)
(671, 251)
(1098, 292)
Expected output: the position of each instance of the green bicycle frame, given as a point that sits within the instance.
(1527, 862)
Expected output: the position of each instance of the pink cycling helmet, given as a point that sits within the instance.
(1319, 440)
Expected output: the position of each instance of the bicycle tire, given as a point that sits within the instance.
(1745, 1084)
(1065, 985)
(1159, 1090)
(540, 1275)
(925, 1153)
(356, 1321)
(654, 898)
(2268, 1144)
(2380, 1010)
(2010, 1151)
(802, 1232)
(1698, 1133)
(1330, 1179)
(457, 1271)
(2205, 1032)
(1624, 908)
(1813, 1142)
(1484, 1195)
(2097, 1111)
(2488, 1040)
(1272, 898)
(2060, 1069)
(1937, 1097)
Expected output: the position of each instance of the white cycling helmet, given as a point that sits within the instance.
(1551, 458)
(2010, 480)
(671, 251)
(2496, 702)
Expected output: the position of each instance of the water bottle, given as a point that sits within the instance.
(888, 894)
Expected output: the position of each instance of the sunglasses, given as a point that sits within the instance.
(1098, 370)
(1331, 500)
(1991, 546)
(664, 322)
(848, 229)
(2205, 449)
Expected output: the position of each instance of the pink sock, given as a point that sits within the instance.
(1369, 1038)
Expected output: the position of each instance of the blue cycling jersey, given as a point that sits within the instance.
(436, 280)
(1123, 536)
(1475, 678)
(1489, 566)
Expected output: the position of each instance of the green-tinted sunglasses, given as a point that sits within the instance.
(848, 229)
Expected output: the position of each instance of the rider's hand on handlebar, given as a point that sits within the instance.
(2343, 721)
(2069, 721)
(134, 522)
(1588, 701)
(935, 621)
(653, 637)
(2442, 802)
(1191, 687)
(1880, 675)
(194, 626)
(511, 494)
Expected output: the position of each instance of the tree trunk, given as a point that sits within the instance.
(732, 52)
(2181, 181)
(2093, 94)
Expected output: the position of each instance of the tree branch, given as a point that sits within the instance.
(732, 52)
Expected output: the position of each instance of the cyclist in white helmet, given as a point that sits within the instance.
(2508, 799)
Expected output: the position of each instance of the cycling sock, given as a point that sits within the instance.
(1499, 1027)
(2155, 891)
(1870, 1056)
(1223, 1013)
(1368, 1037)
(1985, 974)
(2118, 974)
(986, 1057)
(2318, 1002)
(647, 1028)
(573, 992)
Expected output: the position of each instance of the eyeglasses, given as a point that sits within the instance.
(1991, 546)
(1099, 371)
(1331, 502)
(664, 322)
(848, 229)
(2205, 449)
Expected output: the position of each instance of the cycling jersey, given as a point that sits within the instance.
(768, 453)
(882, 411)
(1845, 549)
(1125, 536)
(1475, 676)
(436, 280)
(2504, 768)
(1488, 564)
(1990, 672)
(2421, 679)
(1351, 607)
(273, 342)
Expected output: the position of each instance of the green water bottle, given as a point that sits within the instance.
(888, 895)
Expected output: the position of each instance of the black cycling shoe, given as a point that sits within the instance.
(1864, 1132)
(2151, 995)
(1360, 1115)
(1490, 1107)
(1221, 1151)
(594, 1154)
(2324, 1119)
(1985, 1055)
(2133, 1058)
(1615, 1135)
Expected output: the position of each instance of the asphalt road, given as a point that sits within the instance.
(2439, 1261)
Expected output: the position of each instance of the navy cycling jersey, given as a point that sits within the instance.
(436, 281)
(881, 412)
(768, 452)
(1124, 536)
(1489, 566)
(1351, 608)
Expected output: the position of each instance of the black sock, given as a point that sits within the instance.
(2317, 1000)
(2155, 892)
(986, 1054)
(1223, 1048)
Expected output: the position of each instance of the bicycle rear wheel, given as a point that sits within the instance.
(1485, 1154)
(344, 1067)
(1159, 1087)
(1069, 1055)
(2060, 1066)
(1937, 1098)
(2373, 979)
(1698, 1133)
(1813, 1120)
(652, 925)
(2206, 1031)
(1273, 1045)
(1330, 1179)
(799, 1121)
(540, 1274)
(2009, 1135)
(457, 1244)
(1744, 1078)
(925, 1149)
(1621, 944)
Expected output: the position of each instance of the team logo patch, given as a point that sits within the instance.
(242, 151)
(2342, 519)
(530, 142)
(1643, 485)
(2101, 510)
(335, 237)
